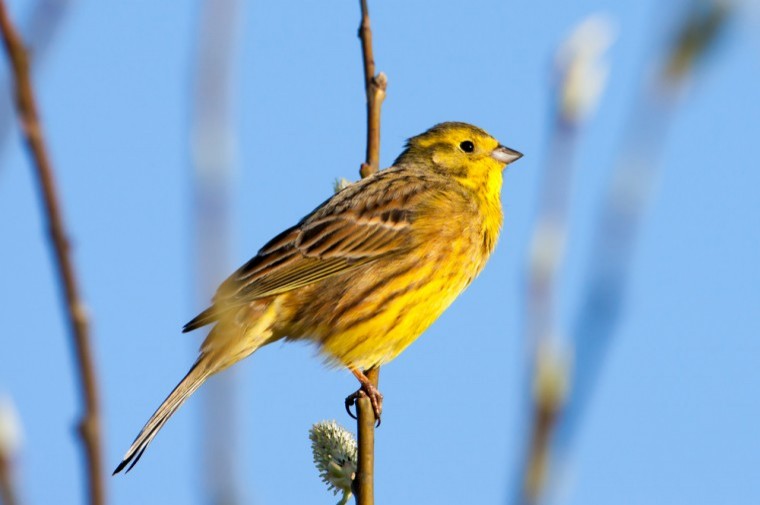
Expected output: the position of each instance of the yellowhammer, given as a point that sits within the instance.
(366, 272)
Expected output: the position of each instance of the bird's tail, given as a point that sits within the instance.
(187, 386)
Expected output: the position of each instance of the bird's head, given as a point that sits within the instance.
(458, 149)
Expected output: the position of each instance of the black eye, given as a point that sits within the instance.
(467, 146)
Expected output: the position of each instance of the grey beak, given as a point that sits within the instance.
(505, 154)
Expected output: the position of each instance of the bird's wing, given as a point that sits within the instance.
(347, 231)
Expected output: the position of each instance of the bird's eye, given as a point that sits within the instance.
(467, 146)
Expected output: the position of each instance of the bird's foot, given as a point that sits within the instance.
(367, 390)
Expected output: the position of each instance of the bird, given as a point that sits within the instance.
(366, 272)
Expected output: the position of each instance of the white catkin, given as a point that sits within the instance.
(10, 428)
(582, 66)
(335, 455)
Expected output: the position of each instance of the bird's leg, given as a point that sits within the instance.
(367, 390)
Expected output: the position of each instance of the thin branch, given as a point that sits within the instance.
(627, 196)
(10, 446)
(545, 261)
(365, 423)
(581, 74)
(213, 159)
(8, 494)
(375, 86)
(40, 30)
(550, 386)
(557, 409)
(89, 425)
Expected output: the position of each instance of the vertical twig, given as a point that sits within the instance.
(7, 489)
(581, 77)
(89, 424)
(365, 423)
(213, 150)
(557, 409)
(375, 86)
(627, 195)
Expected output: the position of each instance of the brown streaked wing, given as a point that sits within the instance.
(360, 224)
(323, 248)
(318, 248)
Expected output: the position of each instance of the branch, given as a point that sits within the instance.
(561, 392)
(10, 445)
(375, 86)
(8, 492)
(581, 74)
(364, 488)
(42, 26)
(626, 198)
(89, 425)
(213, 159)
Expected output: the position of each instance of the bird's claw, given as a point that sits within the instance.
(375, 398)
(351, 401)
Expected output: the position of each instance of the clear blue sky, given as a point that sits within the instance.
(674, 420)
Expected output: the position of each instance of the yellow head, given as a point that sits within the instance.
(460, 150)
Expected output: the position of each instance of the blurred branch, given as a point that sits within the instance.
(375, 86)
(213, 151)
(89, 425)
(8, 494)
(581, 77)
(626, 201)
(40, 28)
(556, 414)
(697, 34)
(549, 393)
(10, 442)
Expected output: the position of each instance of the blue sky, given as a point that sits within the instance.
(673, 418)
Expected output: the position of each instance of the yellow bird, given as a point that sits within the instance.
(366, 272)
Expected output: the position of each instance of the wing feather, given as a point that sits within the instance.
(331, 246)
(347, 231)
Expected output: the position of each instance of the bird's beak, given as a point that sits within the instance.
(506, 155)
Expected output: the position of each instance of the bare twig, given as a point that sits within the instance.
(562, 392)
(375, 86)
(545, 261)
(581, 76)
(550, 386)
(10, 445)
(40, 29)
(89, 425)
(627, 196)
(364, 487)
(8, 494)
(213, 146)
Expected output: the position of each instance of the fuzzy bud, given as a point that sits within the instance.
(335, 456)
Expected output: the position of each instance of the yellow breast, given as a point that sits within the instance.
(370, 316)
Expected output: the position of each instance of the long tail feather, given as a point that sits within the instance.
(187, 386)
